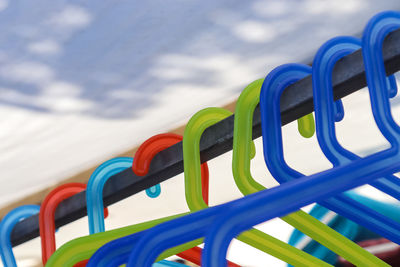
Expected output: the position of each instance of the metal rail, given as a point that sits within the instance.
(297, 100)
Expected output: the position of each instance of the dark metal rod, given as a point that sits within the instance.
(297, 100)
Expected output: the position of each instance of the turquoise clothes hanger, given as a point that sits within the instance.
(6, 226)
(94, 190)
(342, 225)
(165, 263)
(324, 61)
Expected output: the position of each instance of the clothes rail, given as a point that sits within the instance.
(297, 100)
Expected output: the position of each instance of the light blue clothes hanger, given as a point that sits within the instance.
(342, 225)
(323, 64)
(94, 190)
(6, 226)
(165, 263)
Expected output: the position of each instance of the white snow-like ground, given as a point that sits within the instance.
(83, 81)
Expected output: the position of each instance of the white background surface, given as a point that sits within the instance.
(83, 81)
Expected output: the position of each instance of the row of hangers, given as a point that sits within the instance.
(145, 243)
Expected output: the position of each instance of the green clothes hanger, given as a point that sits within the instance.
(191, 160)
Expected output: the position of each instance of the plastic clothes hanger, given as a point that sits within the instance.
(342, 225)
(82, 248)
(324, 62)
(153, 191)
(341, 204)
(94, 191)
(141, 167)
(46, 216)
(375, 32)
(339, 223)
(141, 164)
(306, 125)
(165, 263)
(6, 226)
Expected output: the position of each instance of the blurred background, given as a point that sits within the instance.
(82, 82)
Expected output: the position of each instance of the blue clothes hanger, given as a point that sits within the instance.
(6, 226)
(375, 32)
(282, 172)
(323, 64)
(273, 154)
